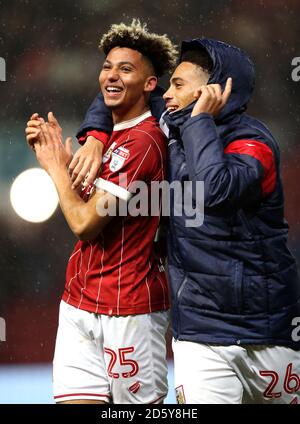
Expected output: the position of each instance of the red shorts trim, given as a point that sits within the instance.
(81, 394)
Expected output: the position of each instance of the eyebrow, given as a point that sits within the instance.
(121, 63)
(176, 79)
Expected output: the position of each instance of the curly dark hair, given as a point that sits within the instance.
(158, 49)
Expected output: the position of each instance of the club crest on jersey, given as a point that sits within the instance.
(108, 153)
(118, 158)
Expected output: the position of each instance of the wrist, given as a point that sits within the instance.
(98, 136)
(58, 173)
(196, 112)
(95, 141)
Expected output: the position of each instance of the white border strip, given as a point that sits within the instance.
(113, 189)
(131, 122)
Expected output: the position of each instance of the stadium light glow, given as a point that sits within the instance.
(33, 195)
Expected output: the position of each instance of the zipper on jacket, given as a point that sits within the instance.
(179, 291)
(181, 287)
(238, 282)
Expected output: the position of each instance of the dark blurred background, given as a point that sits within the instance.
(52, 59)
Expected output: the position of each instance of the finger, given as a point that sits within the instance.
(76, 169)
(31, 139)
(53, 121)
(218, 91)
(42, 139)
(73, 164)
(199, 91)
(53, 134)
(95, 168)
(33, 123)
(81, 175)
(34, 116)
(211, 91)
(227, 91)
(31, 130)
(68, 146)
(33, 135)
(205, 94)
(80, 164)
(45, 136)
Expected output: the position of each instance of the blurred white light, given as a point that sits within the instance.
(33, 195)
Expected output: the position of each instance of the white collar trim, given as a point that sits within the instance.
(132, 122)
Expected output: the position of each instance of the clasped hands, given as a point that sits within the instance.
(46, 140)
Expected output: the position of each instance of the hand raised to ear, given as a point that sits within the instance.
(211, 99)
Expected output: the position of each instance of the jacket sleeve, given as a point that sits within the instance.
(242, 173)
(98, 116)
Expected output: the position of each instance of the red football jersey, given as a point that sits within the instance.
(119, 273)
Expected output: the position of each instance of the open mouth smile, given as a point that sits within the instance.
(172, 108)
(113, 90)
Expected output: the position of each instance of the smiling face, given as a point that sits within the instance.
(126, 80)
(185, 80)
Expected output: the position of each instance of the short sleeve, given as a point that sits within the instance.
(140, 158)
(99, 135)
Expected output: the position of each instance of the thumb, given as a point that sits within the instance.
(52, 120)
(68, 145)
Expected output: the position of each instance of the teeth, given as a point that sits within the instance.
(115, 89)
(172, 108)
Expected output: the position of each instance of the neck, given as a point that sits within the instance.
(119, 116)
(125, 114)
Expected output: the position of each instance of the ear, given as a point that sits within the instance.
(150, 83)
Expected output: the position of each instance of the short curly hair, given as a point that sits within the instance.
(158, 49)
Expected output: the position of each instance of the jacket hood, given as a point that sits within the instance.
(228, 61)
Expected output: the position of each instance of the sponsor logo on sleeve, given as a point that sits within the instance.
(108, 153)
(118, 158)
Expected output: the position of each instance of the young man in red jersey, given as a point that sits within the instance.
(114, 312)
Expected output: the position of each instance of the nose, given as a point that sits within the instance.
(113, 74)
(168, 94)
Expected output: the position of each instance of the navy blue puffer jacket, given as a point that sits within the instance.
(233, 279)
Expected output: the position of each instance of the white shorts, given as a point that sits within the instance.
(235, 374)
(114, 359)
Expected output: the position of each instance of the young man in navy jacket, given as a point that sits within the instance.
(234, 284)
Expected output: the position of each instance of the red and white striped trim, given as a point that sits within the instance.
(149, 295)
(161, 162)
(120, 268)
(85, 276)
(159, 149)
(101, 273)
(77, 273)
(75, 253)
(141, 163)
(83, 396)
